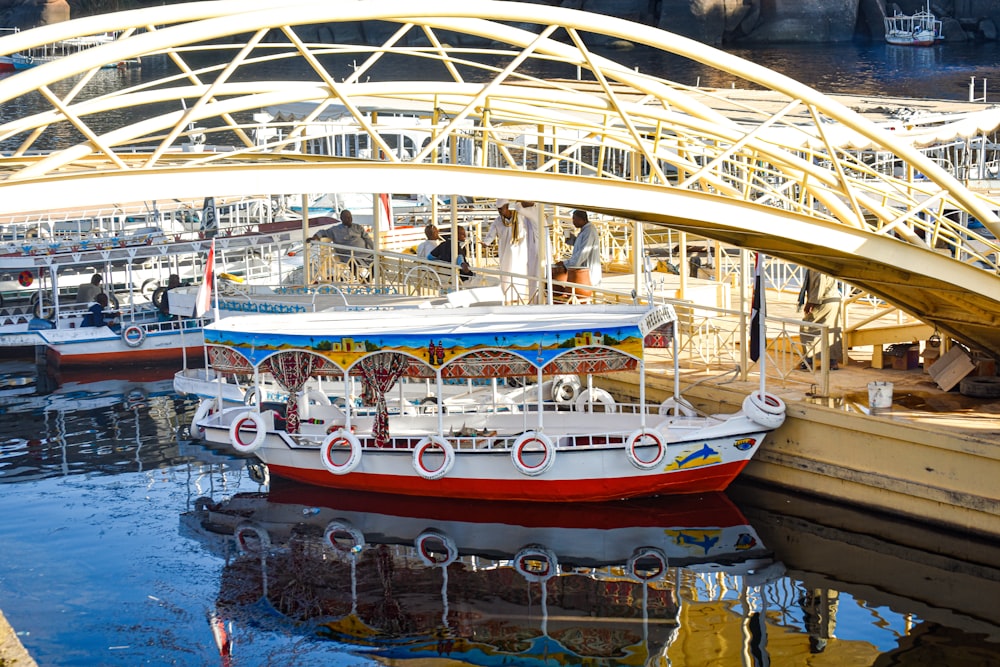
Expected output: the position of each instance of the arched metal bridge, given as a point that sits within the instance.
(541, 114)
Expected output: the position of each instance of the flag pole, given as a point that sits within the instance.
(762, 334)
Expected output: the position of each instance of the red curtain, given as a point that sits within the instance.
(379, 373)
(291, 370)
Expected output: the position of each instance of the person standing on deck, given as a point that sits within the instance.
(87, 291)
(515, 243)
(822, 306)
(535, 219)
(586, 250)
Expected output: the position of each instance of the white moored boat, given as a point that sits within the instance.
(919, 29)
(589, 449)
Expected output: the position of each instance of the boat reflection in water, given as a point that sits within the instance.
(480, 583)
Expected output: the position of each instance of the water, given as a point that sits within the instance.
(110, 555)
(125, 544)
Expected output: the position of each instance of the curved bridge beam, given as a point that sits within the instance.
(782, 172)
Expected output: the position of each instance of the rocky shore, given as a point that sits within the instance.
(716, 22)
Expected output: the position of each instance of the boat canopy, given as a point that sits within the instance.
(455, 342)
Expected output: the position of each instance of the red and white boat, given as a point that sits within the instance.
(584, 447)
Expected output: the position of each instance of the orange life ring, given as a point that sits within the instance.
(25, 278)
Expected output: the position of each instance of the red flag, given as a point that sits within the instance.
(758, 295)
(203, 302)
(387, 209)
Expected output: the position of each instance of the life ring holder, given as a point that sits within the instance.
(133, 335)
(208, 406)
(526, 560)
(640, 438)
(677, 407)
(423, 545)
(260, 432)
(530, 438)
(428, 443)
(25, 278)
(638, 569)
(565, 389)
(768, 411)
(249, 528)
(336, 439)
(339, 528)
(588, 397)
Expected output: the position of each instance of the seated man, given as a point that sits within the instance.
(348, 235)
(95, 312)
(87, 291)
(432, 241)
(442, 253)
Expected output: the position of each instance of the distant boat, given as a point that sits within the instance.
(919, 29)
(7, 62)
(50, 52)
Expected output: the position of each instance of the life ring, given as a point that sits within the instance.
(648, 564)
(133, 336)
(588, 397)
(337, 439)
(536, 563)
(341, 536)
(429, 443)
(769, 412)
(641, 438)
(565, 389)
(443, 556)
(25, 278)
(548, 453)
(208, 406)
(260, 432)
(252, 538)
(677, 408)
(251, 397)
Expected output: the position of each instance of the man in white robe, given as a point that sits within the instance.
(515, 243)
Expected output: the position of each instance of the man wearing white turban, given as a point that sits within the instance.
(515, 244)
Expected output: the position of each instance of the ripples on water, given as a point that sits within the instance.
(124, 544)
(119, 546)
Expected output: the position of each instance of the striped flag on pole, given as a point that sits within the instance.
(203, 302)
(755, 318)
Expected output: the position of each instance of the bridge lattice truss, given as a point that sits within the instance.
(513, 102)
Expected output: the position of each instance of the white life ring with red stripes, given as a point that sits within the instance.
(589, 398)
(532, 440)
(239, 425)
(340, 535)
(636, 448)
(677, 408)
(536, 563)
(768, 411)
(435, 548)
(337, 440)
(133, 336)
(207, 407)
(647, 564)
(429, 444)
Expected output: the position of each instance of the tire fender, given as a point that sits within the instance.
(339, 438)
(341, 536)
(208, 406)
(648, 564)
(430, 443)
(536, 563)
(518, 450)
(236, 428)
(443, 556)
(641, 438)
(595, 396)
(768, 411)
(673, 407)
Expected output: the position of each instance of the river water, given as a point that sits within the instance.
(123, 543)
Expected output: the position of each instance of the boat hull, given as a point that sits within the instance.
(103, 346)
(701, 455)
